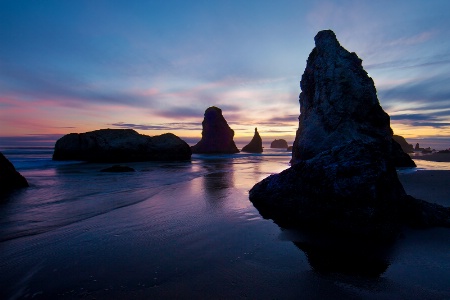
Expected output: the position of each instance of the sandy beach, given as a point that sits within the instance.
(188, 231)
(439, 157)
(429, 185)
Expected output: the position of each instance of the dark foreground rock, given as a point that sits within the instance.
(10, 179)
(407, 148)
(120, 145)
(255, 145)
(217, 136)
(279, 144)
(118, 169)
(343, 178)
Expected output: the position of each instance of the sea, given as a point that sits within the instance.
(187, 230)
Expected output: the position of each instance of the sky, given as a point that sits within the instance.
(155, 66)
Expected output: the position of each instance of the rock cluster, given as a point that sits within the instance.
(279, 144)
(342, 177)
(255, 145)
(217, 136)
(120, 145)
(10, 179)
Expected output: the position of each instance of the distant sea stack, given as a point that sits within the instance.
(255, 145)
(120, 145)
(217, 136)
(10, 179)
(342, 178)
(279, 144)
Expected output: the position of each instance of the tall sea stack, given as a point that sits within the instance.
(342, 177)
(217, 136)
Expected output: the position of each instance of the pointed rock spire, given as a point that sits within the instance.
(255, 145)
(343, 179)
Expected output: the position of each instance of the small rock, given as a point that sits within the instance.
(279, 144)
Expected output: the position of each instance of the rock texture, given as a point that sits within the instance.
(217, 136)
(10, 179)
(339, 103)
(343, 177)
(255, 145)
(120, 145)
(279, 144)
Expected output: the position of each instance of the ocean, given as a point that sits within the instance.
(183, 230)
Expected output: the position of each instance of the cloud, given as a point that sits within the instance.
(64, 88)
(409, 63)
(289, 118)
(431, 120)
(165, 127)
(415, 39)
(38, 140)
(432, 92)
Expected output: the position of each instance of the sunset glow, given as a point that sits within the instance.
(155, 67)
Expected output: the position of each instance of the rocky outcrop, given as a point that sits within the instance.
(279, 144)
(407, 148)
(255, 145)
(120, 145)
(342, 177)
(10, 179)
(217, 136)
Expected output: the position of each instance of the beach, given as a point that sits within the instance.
(438, 157)
(186, 230)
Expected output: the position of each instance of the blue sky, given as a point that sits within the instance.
(75, 66)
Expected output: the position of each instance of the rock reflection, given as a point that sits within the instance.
(219, 178)
(330, 254)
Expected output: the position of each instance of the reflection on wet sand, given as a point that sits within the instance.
(219, 178)
(330, 254)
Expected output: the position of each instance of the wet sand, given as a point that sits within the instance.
(430, 185)
(188, 231)
(440, 157)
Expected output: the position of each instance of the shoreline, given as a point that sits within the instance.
(438, 157)
(429, 185)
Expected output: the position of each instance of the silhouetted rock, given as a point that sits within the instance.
(407, 148)
(255, 145)
(118, 169)
(399, 157)
(120, 145)
(343, 178)
(279, 144)
(217, 136)
(10, 179)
